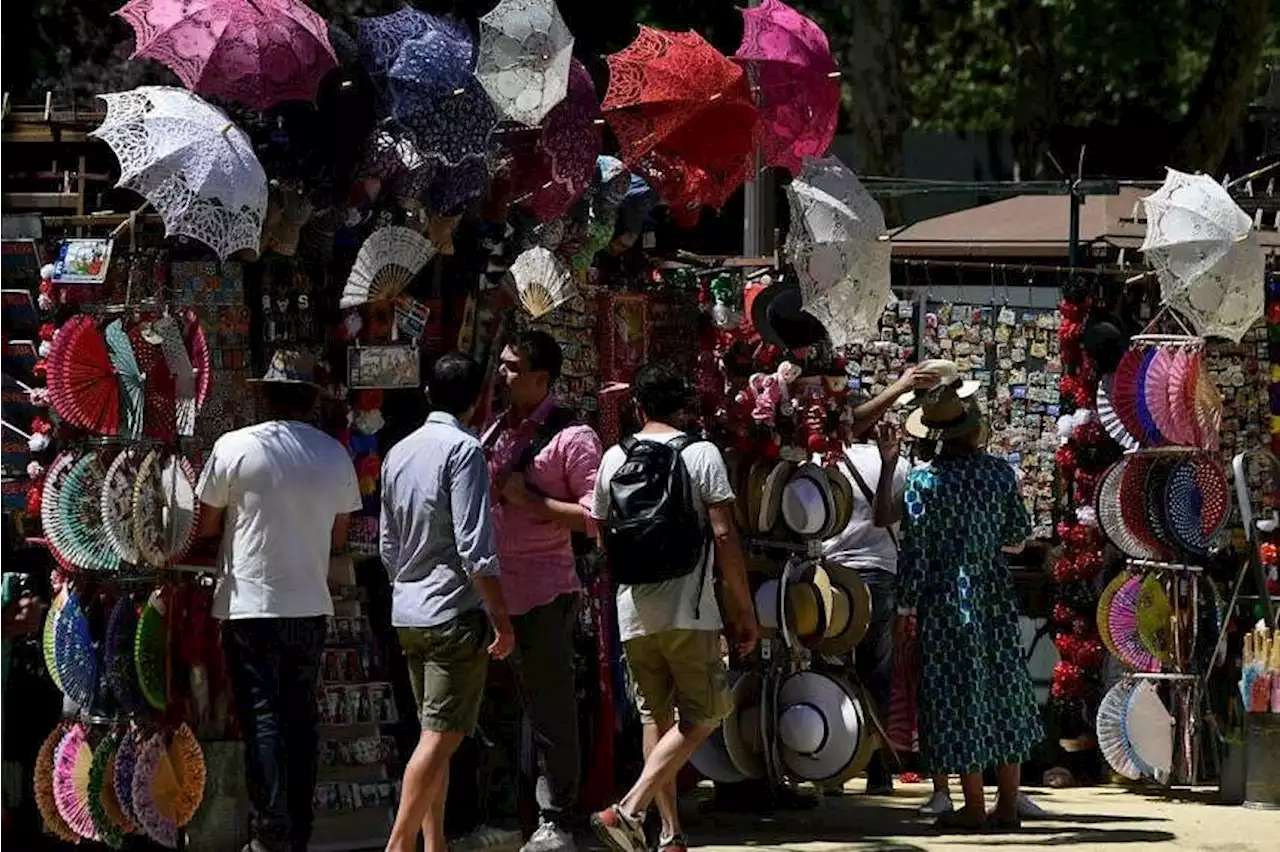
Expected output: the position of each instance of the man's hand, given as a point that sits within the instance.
(504, 638)
(916, 378)
(22, 617)
(889, 440)
(514, 491)
(746, 633)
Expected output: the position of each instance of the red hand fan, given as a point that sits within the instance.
(159, 417)
(1124, 392)
(83, 386)
(198, 350)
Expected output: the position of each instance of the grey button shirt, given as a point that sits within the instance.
(436, 531)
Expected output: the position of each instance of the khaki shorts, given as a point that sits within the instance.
(679, 673)
(447, 668)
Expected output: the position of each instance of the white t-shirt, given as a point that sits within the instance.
(862, 544)
(282, 483)
(653, 607)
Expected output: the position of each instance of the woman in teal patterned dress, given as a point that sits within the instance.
(976, 705)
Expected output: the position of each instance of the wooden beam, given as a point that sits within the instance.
(42, 200)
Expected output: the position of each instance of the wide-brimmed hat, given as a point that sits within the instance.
(711, 758)
(754, 479)
(842, 491)
(850, 610)
(778, 317)
(942, 415)
(775, 484)
(948, 373)
(743, 737)
(823, 732)
(799, 603)
(807, 502)
(291, 367)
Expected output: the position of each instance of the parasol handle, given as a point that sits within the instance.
(13, 428)
(130, 223)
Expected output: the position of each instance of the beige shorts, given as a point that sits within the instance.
(679, 674)
(447, 669)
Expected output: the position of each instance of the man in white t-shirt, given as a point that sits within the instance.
(279, 495)
(671, 629)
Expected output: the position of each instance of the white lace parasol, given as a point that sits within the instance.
(1192, 222)
(838, 246)
(195, 167)
(1230, 297)
(524, 58)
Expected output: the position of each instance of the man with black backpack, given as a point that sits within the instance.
(665, 508)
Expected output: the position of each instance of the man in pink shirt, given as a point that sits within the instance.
(542, 464)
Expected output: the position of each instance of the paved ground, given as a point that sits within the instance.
(1090, 818)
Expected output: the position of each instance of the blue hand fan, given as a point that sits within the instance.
(120, 671)
(75, 653)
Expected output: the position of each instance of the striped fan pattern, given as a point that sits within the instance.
(44, 796)
(71, 766)
(75, 654)
(83, 387)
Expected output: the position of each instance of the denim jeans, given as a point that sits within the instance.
(873, 660)
(274, 665)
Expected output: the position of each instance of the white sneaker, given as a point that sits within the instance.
(938, 804)
(1028, 809)
(550, 838)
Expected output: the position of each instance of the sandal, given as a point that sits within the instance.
(959, 821)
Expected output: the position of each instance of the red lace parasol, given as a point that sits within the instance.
(83, 386)
(684, 118)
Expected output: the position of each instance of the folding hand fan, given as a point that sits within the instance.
(1110, 729)
(1110, 510)
(1181, 419)
(165, 510)
(132, 382)
(159, 415)
(543, 282)
(1148, 727)
(178, 784)
(59, 540)
(1195, 361)
(152, 819)
(48, 638)
(1197, 499)
(43, 783)
(1155, 614)
(151, 652)
(83, 387)
(1150, 435)
(1158, 470)
(1208, 408)
(120, 670)
(1104, 611)
(198, 350)
(116, 504)
(72, 762)
(1137, 540)
(1122, 621)
(75, 654)
(174, 348)
(1110, 420)
(387, 262)
(80, 507)
(1124, 392)
(148, 511)
(122, 773)
(108, 820)
(1155, 391)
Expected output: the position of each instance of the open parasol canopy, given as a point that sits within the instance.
(379, 39)
(1192, 223)
(525, 55)
(1228, 298)
(195, 167)
(795, 81)
(839, 248)
(684, 118)
(258, 52)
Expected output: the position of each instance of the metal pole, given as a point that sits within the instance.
(757, 203)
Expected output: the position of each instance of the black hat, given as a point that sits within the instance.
(778, 317)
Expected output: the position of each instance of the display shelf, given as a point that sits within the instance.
(1152, 565)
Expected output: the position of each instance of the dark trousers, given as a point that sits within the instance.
(873, 659)
(543, 666)
(274, 665)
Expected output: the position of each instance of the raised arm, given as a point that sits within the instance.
(869, 413)
(887, 506)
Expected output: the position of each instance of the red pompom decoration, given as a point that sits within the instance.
(41, 369)
(1080, 626)
(1069, 386)
(1089, 434)
(1064, 570)
(1088, 564)
(1062, 614)
(1068, 680)
(817, 443)
(41, 426)
(35, 495)
(1269, 553)
(47, 330)
(1073, 311)
(1066, 461)
(1069, 332)
(1090, 654)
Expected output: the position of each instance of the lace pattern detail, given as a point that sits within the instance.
(1230, 297)
(526, 52)
(1192, 222)
(196, 168)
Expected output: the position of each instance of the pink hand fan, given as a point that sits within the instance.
(72, 763)
(150, 816)
(198, 349)
(1150, 436)
(1156, 390)
(1175, 427)
(43, 783)
(1122, 622)
(1104, 611)
(1124, 392)
(1208, 410)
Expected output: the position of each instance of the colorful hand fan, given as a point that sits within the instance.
(1135, 539)
(120, 670)
(48, 638)
(165, 509)
(132, 382)
(174, 348)
(43, 784)
(152, 819)
(1113, 742)
(1149, 728)
(75, 654)
(178, 784)
(1208, 408)
(80, 508)
(122, 771)
(1110, 420)
(1155, 614)
(58, 539)
(1155, 390)
(1124, 392)
(1150, 434)
(1197, 501)
(1104, 611)
(201, 362)
(1158, 469)
(72, 762)
(104, 810)
(159, 416)
(387, 262)
(1122, 621)
(1195, 363)
(83, 387)
(116, 504)
(1182, 428)
(151, 652)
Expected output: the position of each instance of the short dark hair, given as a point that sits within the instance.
(541, 351)
(289, 400)
(661, 391)
(456, 382)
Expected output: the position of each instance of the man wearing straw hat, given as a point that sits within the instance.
(279, 494)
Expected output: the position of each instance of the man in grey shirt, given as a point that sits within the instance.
(438, 546)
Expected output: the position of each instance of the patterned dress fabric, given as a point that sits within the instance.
(976, 704)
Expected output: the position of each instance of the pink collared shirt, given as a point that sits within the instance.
(537, 555)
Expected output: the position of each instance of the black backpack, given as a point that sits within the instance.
(653, 532)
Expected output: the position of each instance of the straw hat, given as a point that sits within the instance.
(850, 611)
(771, 495)
(808, 504)
(800, 604)
(842, 491)
(948, 374)
(743, 736)
(942, 415)
(754, 479)
(823, 733)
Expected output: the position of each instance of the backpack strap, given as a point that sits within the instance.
(868, 494)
